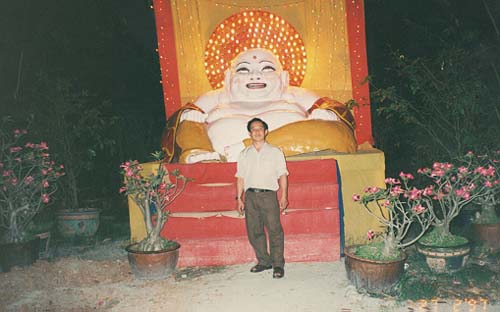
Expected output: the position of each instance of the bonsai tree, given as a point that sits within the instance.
(397, 207)
(489, 164)
(28, 178)
(152, 193)
(453, 187)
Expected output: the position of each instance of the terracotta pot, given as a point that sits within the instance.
(18, 254)
(445, 259)
(153, 264)
(374, 276)
(488, 235)
(78, 223)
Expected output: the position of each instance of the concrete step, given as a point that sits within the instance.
(237, 250)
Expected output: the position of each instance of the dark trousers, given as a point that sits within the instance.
(262, 210)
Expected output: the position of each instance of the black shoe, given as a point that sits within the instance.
(259, 268)
(278, 272)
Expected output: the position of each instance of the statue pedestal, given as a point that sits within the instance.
(204, 220)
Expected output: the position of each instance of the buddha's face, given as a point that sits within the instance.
(256, 75)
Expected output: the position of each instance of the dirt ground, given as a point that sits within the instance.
(98, 278)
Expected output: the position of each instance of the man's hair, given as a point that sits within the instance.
(266, 127)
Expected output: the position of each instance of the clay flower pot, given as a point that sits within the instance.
(374, 276)
(153, 264)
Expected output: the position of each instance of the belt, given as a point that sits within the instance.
(257, 190)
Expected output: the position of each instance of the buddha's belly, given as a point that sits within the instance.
(231, 129)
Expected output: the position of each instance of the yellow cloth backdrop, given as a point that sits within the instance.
(322, 25)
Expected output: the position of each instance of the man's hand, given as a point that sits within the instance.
(240, 207)
(193, 115)
(194, 158)
(283, 203)
(323, 114)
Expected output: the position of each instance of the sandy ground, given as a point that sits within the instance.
(100, 279)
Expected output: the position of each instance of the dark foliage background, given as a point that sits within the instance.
(434, 68)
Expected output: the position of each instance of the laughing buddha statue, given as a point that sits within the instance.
(213, 128)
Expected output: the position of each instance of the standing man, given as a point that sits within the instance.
(261, 171)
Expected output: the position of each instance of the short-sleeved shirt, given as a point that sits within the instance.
(261, 169)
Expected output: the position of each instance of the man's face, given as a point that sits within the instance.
(257, 131)
(256, 75)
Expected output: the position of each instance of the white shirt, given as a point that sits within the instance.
(261, 169)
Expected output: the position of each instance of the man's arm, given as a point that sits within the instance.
(283, 183)
(239, 194)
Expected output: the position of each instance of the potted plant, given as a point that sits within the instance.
(28, 178)
(453, 187)
(377, 266)
(154, 257)
(486, 223)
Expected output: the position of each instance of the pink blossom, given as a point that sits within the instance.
(371, 189)
(15, 149)
(415, 194)
(13, 181)
(42, 146)
(44, 172)
(28, 180)
(129, 173)
(428, 191)
(45, 198)
(29, 145)
(356, 197)
(123, 189)
(488, 184)
(418, 209)
(392, 181)
(45, 184)
(370, 234)
(463, 192)
(463, 169)
(61, 166)
(406, 176)
(424, 170)
(396, 190)
(6, 173)
(470, 153)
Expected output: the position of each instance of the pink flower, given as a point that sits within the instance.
(488, 184)
(45, 184)
(15, 149)
(123, 189)
(13, 181)
(418, 209)
(6, 173)
(28, 180)
(371, 189)
(45, 198)
(392, 181)
(356, 197)
(29, 145)
(463, 169)
(396, 190)
(44, 172)
(370, 234)
(406, 176)
(428, 191)
(42, 146)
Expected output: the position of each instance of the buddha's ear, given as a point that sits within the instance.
(227, 80)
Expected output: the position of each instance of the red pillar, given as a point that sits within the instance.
(359, 69)
(167, 54)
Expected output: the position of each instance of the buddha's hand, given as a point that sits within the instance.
(233, 151)
(202, 156)
(323, 114)
(193, 115)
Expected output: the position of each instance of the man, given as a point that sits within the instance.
(261, 171)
